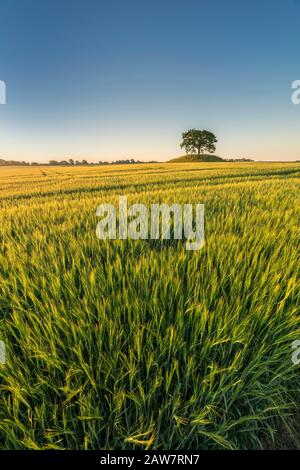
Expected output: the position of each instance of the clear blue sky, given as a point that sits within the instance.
(123, 78)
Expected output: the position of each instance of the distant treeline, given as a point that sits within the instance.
(71, 162)
(12, 163)
(238, 160)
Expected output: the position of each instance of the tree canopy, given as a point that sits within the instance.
(196, 141)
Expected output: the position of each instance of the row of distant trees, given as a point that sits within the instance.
(70, 162)
(85, 162)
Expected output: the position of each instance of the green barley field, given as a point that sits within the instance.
(123, 344)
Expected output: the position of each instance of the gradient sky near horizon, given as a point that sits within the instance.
(106, 80)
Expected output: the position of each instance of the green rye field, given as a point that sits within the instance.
(143, 344)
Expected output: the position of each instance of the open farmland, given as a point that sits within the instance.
(115, 344)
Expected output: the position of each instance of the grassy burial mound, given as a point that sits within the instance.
(196, 158)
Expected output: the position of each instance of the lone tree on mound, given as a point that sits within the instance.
(195, 141)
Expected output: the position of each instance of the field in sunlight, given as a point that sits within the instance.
(123, 344)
